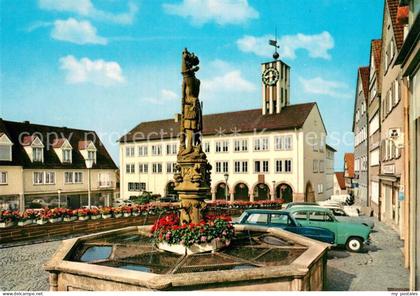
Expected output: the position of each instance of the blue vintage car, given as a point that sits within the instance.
(283, 220)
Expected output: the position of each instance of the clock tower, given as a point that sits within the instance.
(275, 86)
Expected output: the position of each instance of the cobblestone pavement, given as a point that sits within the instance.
(22, 267)
(379, 267)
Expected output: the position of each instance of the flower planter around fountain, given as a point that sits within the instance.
(69, 219)
(209, 235)
(25, 222)
(6, 224)
(41, 221)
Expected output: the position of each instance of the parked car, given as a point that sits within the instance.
(283, 220)
(340, 213)
(351, 235)
(169, 198)
(299, 203)
(122, 202)
(38, 204)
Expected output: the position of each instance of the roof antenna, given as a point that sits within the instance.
(274, 43)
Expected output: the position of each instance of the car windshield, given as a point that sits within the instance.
(282, 219)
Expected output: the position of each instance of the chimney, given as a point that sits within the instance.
(177, 117)
(26, 122)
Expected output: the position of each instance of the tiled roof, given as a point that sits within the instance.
(364, 75)
(349, 161)
(58, 143)
(84, 145)
(290, 117)
(396, 26)
(48, 135)
(340, 180)
(330, 148)
(376, 47)
(27, 140)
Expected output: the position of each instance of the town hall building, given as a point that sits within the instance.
(276, 151)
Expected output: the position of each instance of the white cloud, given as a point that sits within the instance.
(165, 97)
(98, 72)
(317, 45)
(85, 8)
(79, 32)
(230, 82)
(320, 86)
(220, 11)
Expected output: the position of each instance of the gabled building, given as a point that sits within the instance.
(408, 58)
(392, 120)
(349, 172)
(339, 184)
(47, 166)
(276, 151)
(374, 126)
(360, 130)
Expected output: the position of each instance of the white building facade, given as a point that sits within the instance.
(275, 152)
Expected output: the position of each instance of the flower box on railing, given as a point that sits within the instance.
(6, 224)
(126, 215)
(212, 246)
(41, 221)
(84, 218)
(25, 222)
(55, 220)
(96, 217)
(106, 216)
(135, 214)
(118, 215)
(70, 219)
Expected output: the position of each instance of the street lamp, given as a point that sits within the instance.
(59, 197)
(274, 190)
(89, 164)
(226, 189)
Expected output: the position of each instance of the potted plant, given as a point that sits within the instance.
(69, 215)
(95, 214)
(7, 218)
(135, 211)
(211, 234)
(117, 212)
(56, 215)
(106, 212)
(126, 210)
(42, 216)
(83, 214)
(26, 218)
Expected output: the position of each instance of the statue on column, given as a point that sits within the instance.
(192, 176)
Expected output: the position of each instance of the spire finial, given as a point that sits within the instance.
(274, 43)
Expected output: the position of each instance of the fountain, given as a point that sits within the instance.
(131, 259)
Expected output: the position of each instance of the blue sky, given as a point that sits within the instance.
(108, 65)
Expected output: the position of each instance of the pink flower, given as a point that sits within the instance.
(203, 239)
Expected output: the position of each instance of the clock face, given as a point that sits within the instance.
(270, 76)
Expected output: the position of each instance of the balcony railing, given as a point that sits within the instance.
(105, 184)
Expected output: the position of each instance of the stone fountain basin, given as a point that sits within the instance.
(305, 271)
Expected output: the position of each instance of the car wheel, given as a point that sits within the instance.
(354, 244)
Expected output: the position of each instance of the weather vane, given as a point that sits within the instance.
(276, 46)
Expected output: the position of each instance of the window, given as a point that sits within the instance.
(283, 143)
(157, 168)
(315, 166)
(206, 147)
(44, 178)
(374, 157)
(170, 167)
(222, 167)
(257, 219)
(241, 145)
(130, 168)
(136, 186)
(300, 215)
(6, 152)
(37, 154)
(375, 191)
(287, 165)
(281, 219)
(129, 151)
(143, 168)
(171, 149)
(315, 147)
(374, 124)
(320, 188)
(222, 146)
(92, 155)
(261, 166)
(67, 155)
(320, 216)
(142, 150)
(396, 91)
(279, 166)
(78, 177)
(321, 166)
(156, 150)
(237, 166)
(261, 144)
(3, 178)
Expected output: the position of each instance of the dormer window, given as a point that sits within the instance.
(92, 155)
(63, 149)
(67, 155)
(37, 154)
(5, 148)
(88, 150)
(34, 148)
